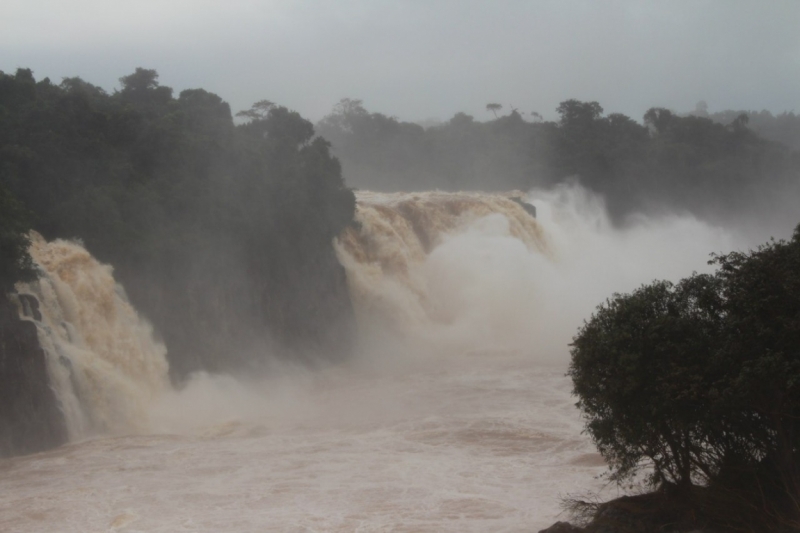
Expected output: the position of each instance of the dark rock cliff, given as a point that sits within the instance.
(30, 419)
(234, 310)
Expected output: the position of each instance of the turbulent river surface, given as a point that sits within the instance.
(486, 445)
(453, 415)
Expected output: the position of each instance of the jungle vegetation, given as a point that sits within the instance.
(218, 231)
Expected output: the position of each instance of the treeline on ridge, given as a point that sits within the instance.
(668, 162)
(218, 231)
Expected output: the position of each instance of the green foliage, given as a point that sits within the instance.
(142, 88)
(689, 163)
(782, 128)
(15, 262)
(494, 108)
(638, 367)
(759, 352)
(577, 114)
(699, 382)
(215, 229)
(258, 111)
(383, 153)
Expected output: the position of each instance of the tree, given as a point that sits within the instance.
(582, 144)
(760, 353)
(575, 113)
(219, 233)
(638, 367)
(257, 111)
(15, 261)
(740, 122)
(659, 119)
(494, 108)
(699, 382)
(141, 80)
(701, 109)
(142, 87)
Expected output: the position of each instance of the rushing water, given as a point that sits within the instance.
(455, 414)
(485, 446)
(104, 365)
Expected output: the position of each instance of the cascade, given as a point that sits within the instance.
(471, 273)
(104, 365)
(444, 420)
(447, 271)
(429, 273)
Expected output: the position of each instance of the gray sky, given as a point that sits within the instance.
(418, 59)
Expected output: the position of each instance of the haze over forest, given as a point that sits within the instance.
(420, 60)
(318, 266)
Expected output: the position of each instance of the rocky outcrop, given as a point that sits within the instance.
(562, 527)
(664, 511)
(30, 419)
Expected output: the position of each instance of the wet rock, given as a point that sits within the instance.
(662, 511)
(30, 418)
(562, 527)
(531, 210)
(30, 306)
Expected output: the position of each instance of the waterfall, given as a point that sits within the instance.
(104, 364)
(448, 271)
(467, 273)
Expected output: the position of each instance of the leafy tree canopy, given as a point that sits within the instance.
(699, 382)
(494, 108)
(221, 234)
(15, 262)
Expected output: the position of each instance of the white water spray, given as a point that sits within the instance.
(448, 420)
(476, 273)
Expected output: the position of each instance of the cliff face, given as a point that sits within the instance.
(30, 419)
(311, 307)
(220, 233)
(233, 310)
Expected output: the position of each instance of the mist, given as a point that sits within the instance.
(453, 413)
(482, 291)
(335, 288)
(440, 282)
(455, 399)
(420, 60)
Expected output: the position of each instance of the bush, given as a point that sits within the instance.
(15, 262)
(699, 382)
(759, 359)
(639, 369)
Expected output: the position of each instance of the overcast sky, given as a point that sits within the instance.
(419, 59)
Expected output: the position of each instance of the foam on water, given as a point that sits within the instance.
(454, 416)
(485, 446)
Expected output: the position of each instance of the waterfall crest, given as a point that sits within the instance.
(443, 269)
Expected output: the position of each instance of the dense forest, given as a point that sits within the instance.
(667, 162)
(219, 232)
(783, 128)
(222, 232)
